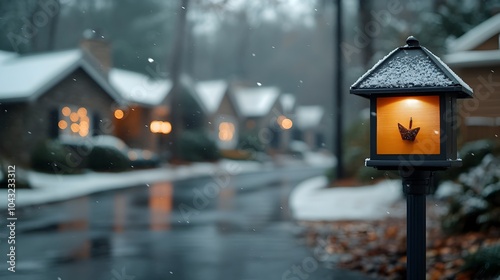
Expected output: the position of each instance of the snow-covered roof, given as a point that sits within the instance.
(23, 76)
(473, 58)
(139, 88)
(413, 68)
(27, 77)
(287, 101)
(308, 116)
(211, 93)
(476, 35)
(255, 102)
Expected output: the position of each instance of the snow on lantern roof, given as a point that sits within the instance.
(211, 93)
(410, 69)
(255, 102)
(139, 88)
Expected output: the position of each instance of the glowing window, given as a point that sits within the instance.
(160, 127)
(226, 131)
(73, 122)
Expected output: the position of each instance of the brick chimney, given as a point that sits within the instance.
(99, 49)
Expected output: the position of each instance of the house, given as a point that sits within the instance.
(259, 112)
(144, 123)
(309, 125)
(61, 94)
(220, 111)
(475, 57)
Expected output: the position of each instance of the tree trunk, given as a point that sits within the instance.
(175, 76)
(54, 22)
(364, 18)
(177, 49)
(242, 50)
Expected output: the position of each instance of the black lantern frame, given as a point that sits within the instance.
(411, 71)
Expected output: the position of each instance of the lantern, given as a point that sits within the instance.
(412, 109)
(413, 128)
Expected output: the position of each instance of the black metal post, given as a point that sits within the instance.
(416, 184)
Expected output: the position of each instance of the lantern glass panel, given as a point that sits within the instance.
(408, 125)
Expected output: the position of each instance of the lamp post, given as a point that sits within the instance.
(413, 129)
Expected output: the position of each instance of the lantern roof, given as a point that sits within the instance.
(410, 69)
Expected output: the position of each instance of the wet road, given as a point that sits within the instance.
(212, 228)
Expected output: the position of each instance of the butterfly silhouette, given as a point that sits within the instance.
(408, 134)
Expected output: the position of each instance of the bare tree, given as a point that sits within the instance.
(365, 16)
(175, 76)
(53, 27)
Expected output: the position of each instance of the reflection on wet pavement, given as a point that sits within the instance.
(190, 229)
(160, 205)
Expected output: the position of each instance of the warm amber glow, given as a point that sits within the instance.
(424, 112)
(411, 102)
(66, 111)
(74, 117)
(62, 124)
(85, 119)
(160, 205)
(84, 125)
(82, 112)
(75, 127)
(155, 126)
(119, 114)
(83, 133)
(166, 127)
(226, 131)
(160, 127)
(74, 122)
(84, 128)
(286, 124)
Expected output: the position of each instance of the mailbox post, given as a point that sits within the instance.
(413, 129)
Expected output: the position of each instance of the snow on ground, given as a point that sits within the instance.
(311, 200)
(319, 159)
(448, 189)
(47, 188)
